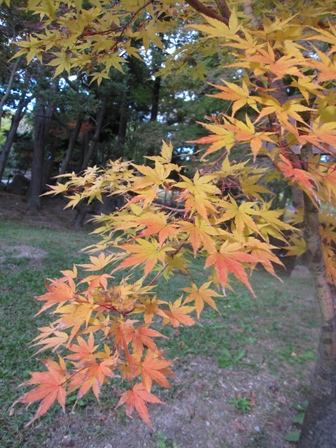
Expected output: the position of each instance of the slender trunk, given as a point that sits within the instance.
(155, 98)
(9, 86)
(319, 429)
(123, 120)
(43, 115)
(72, 141)
(93, 143)
(19, 113)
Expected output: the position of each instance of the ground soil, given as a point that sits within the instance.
(197, 413)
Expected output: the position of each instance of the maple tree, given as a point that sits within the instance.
(282, 109)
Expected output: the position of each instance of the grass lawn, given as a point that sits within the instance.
(274, 333)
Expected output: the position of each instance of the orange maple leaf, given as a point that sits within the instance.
(140, 337)
(177, 314)
(50, 388)
(59, 338)
(148, 252)
(296, 175)
(92, 376)
(153, 368)
(156, 223)
(136, 398)
(84, 350)
(230, 259)
(59, 291)
(200, 232)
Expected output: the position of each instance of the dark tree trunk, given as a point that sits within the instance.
(319, 428)
(155, 98)
(43, 115)
(72, 141)
(123, 120)
(93, 143)
(19, 113)
(9, 86)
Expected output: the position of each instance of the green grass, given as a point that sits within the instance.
(271, 330)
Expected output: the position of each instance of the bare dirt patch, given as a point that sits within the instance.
(53, 215)
(198, 415)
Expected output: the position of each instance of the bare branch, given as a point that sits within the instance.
(223, 8)
(199, 7)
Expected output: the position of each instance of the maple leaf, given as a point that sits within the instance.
(246, 132)
(60, 338)
(228, 169)
(93, 375)
(149, 306)
(221, 138)
(177, 314)
(201, 295)
(240, 96)
(153, 368)
(196, 194)
(51, 387)
(156, 223)
(76, 315)
(136, 398)
(285, 65)
(296, 247)
(62, 62)
(217, 28)
(263, 253)
(140, 337)
(166, 154)
(59, 291)
(98, 263)
(84, 350)
(153, 177)
(325, 65)
(283, 111)
(200, 232)
(241, 214)
(230, 259)
(148, 252)
(321, 135)
(250, 185)
(296, 175)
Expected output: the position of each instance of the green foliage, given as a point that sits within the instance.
(241, 402)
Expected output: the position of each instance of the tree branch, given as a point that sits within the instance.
(223, 8)
(199, 7)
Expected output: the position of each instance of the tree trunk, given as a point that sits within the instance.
(43, 115)
(19, 113)
(95, 138)
(319, 429)
(155, 98)
(72, 141)
(9, 86)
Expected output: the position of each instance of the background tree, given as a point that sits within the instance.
(15, 84)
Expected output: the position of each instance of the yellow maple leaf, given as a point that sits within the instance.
(147, 252)
(201, 295)
(98, 263)
(242, 215)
